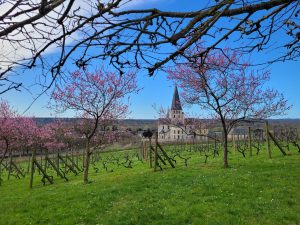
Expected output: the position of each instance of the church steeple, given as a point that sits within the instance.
(176, 105)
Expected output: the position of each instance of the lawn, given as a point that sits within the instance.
(254, 190)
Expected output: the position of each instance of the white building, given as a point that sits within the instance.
(176, 127)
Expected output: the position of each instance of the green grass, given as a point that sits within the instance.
(254, 190)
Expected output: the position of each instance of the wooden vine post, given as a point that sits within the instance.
(67, 165)
(10, 164)
(45, 161)
(32, 167)
(145, 151)
(54, 166)
(234, 143)
(0, 173)
(57, 162)
(29, 164)
(287, 138)
(215, 146)
(268, 139)
(155, 152)
(34, 163)
(83, 158)
(250, 140)
(150, 152)
(73, 164)
(77, 157)
(165, 155)
(277, 144)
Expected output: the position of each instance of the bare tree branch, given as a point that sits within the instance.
(85, 31)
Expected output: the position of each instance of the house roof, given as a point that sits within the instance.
(176, 105)
(239, 131)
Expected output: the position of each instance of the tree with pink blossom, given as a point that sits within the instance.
(222, 84)
(7, 127)
(16, 134)
(98, 97)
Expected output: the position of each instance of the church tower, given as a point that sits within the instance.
(176, 127)
(176, 113)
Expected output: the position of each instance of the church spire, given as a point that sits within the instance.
(176, 105)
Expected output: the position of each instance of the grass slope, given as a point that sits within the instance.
(254, 190)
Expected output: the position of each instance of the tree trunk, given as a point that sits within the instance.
(225, 142)
(86, 163)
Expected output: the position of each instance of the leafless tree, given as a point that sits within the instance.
(79, 32)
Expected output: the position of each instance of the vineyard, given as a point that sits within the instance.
(124, 190)
(158, 183)
(48, 167)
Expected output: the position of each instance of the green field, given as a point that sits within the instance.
(254, 190)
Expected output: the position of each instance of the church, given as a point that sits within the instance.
(175, 127)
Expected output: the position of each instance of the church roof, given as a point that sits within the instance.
(176, 105)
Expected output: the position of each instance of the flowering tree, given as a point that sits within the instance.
(223, 86)
(7, 128)
(52, 136)
(16, 134)
(97, 97)
(8, 133)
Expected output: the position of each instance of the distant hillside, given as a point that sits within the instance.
(133, 124)
(144, 124)
(46, 120)
(285, 121)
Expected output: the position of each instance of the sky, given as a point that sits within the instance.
(157, 91)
